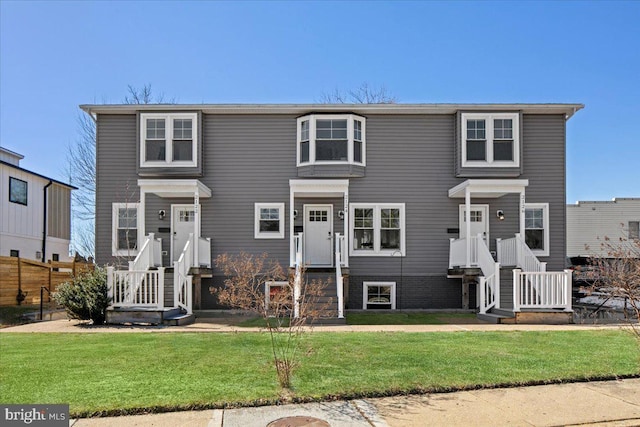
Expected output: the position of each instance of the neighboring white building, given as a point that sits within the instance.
(35, 212)
(588, 223)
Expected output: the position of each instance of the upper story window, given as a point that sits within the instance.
(17, 191)
(490, 140)
(331, 139)
(168, 140)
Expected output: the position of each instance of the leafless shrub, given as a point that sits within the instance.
(260, 285)
(616, 276)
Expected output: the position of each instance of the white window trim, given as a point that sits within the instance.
(114, 229)
(377, 251)
(489, 118)
(545, 218)
(168, 118)
(267, 288)
(350, 140)
(257, 234)
(365, 293)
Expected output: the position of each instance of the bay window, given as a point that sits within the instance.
(331, 139)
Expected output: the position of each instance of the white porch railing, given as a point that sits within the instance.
(515, 252)
(458, 252)
(204, 252)
(489, 282)
(542, 290)
(297, 279)
(150, 254)
(181, 279)
(340, 242)
(143, 288)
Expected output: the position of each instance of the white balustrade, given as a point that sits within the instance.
(542, 290)
(339, 279)
(136, 287)
(458, 252)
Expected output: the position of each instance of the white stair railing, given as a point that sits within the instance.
(182, 294)
(339, 279)
(516, 252)
(204, 252)
(297, 279)
(489, 282)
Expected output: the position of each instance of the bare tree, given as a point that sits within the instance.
(363, 94)
(81, 163)
(616, 276)
(247, 287)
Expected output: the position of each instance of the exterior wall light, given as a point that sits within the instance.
(500, 215)
(161, 214)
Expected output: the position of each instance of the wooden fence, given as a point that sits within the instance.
(19, 276)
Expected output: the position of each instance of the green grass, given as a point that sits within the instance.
(408, 318)
(123, 372)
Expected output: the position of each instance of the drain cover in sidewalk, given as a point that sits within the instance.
(298, 421)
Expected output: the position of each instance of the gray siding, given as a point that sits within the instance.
(251, 158)
(331, 171)
(116, 175)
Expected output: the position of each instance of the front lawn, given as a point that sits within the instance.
(126, 372)
(410, 318)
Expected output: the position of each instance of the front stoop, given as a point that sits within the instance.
(148, 316)
(539, 317)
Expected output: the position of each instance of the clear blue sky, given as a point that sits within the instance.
(56, 55)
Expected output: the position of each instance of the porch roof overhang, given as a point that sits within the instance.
(319, 187)
(173, 188)
(488, 188)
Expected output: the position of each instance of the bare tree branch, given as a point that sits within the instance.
(81, 165)
(363, 94)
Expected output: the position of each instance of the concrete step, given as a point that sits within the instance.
(139, 315)
(179, 319)
(493, 318)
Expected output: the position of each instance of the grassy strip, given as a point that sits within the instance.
(128, 373)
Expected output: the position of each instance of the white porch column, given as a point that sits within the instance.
(143, 210)
(196, 230)
(345, 255)
(292, 248)
(467, 216)
(522, 201)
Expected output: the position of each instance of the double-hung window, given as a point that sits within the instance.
(331, 139)
(377, 229)
(168, 139)
(269, 221)
(490, 140)
(125, 229)
(536, 227)
(378, 295)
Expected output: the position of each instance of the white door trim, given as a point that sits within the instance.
(172, 219)
(306, 209)
(485, 212)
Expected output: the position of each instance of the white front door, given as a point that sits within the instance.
(318, 235)
(479, 221)
(182, 223)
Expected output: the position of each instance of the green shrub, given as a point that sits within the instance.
(85, 297)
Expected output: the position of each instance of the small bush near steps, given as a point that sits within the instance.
(85, 297)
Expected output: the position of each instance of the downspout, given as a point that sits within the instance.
(44, 221)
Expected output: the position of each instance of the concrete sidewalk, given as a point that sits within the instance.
(604, 403)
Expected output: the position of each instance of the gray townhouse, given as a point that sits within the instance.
(404, 206)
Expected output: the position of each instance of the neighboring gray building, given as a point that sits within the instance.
(393, 189)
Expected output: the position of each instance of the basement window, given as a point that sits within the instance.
(379, 296)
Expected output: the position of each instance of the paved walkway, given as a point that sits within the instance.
(222, 325)
(605, 403)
